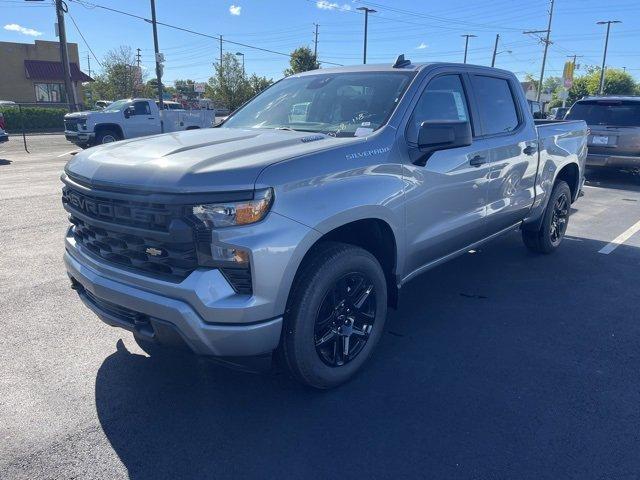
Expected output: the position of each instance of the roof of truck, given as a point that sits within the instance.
(389, 67)
(612, 97)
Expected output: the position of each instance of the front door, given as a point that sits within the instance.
(446, 198)
(142, 121)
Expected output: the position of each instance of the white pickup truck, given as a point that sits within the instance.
(131, 118)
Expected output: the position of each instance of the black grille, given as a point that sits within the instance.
(239, 278)
(71, 125)
(150, 238)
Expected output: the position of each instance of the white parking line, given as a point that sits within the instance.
(68, 153)
(620, 239)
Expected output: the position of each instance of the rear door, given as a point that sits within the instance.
(508, 143)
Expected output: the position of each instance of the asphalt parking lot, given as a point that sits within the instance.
(499, 364)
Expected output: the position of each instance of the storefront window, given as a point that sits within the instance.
(50, 92)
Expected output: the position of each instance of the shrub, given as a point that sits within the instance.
(35, 118)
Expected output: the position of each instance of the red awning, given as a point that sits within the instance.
(45, 70)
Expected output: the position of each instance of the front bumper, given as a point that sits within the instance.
(79, 138)
(613, 161)
(152, 316)
(205, 311)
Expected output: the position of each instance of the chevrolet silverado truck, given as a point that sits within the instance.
(131, 118)
(290, 229)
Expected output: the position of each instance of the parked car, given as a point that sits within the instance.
(291, 230)
(614, 122)
(130, 118)
(557, 113)
(3, 135)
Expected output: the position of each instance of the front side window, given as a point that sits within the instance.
(141, 108)
(338, 104)
(496, 105)
(443, 100)
(50, 92)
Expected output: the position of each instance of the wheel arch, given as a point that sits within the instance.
(374, 235)
(570, 173)
(109, 126)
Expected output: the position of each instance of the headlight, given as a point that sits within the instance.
(218, 215)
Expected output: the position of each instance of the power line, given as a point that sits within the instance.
(83, 39)
(187, 30)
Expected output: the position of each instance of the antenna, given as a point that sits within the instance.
(401, 62)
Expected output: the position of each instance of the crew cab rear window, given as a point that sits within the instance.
(498, 111)
(443, 99)
(617, 113)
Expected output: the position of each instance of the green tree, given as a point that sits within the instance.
(228, 87)
(616, 82)
(150, 89)
(302, 60)
(186, 89)
(120, 77)
(257, 84)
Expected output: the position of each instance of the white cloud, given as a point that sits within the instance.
(326, 5)
(422, 46)
(235, 9)
(14, 27)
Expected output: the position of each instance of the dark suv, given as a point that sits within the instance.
(614, 122)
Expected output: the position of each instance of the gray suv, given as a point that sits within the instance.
(291, 227)
(614, 122)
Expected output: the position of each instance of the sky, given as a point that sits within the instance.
(424, 31)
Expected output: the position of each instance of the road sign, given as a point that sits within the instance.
(199, 87)
(567, 74)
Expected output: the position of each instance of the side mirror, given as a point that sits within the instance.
(442, 135)
(128, 112)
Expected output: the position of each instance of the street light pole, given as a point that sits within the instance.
(466, 45)
(240, 54)
(366, 11)
(604, 55)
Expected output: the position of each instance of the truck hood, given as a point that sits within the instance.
(194, 161)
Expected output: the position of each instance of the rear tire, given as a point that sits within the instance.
(554, 223)
(335, 315)
(107, 135)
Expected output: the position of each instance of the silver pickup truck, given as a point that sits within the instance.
(291, 227)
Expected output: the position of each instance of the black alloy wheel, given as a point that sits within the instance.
(345, 319)
(559, 219)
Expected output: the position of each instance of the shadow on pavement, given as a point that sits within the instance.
(4, 162)
(613, 178)
(499, 364)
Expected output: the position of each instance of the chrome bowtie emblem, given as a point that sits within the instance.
(154, 252)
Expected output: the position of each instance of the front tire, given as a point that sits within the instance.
(107, 136)
(335, 315)
(554, 223)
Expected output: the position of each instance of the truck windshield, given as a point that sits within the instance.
(116, 106)
(618, 113)
(340, 104)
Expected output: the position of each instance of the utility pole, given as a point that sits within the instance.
(61, 8)
(315, 44)
(220, 69)
(495, 50)
(466, 44)
(604, 55)
(546, 42)
(366, 11)
(158, 62)
(88, 64)
(138, 56)
(240, 54)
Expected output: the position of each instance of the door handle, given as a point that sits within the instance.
(477, 161)
(151, 118)
(530, 150)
